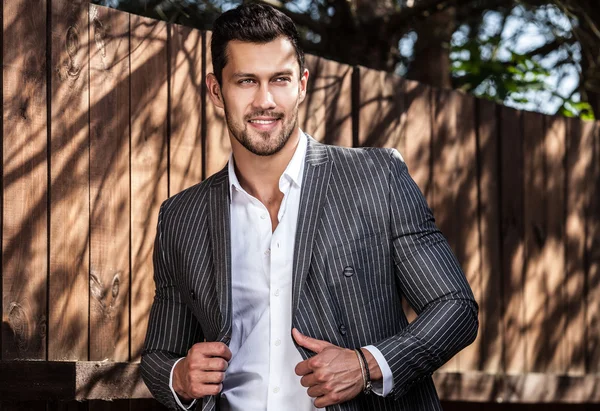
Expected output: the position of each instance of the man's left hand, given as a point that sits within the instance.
(333, 375)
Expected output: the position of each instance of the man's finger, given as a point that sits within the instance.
(309, 343)
(212, 349)
(302, 368)
(215, 364)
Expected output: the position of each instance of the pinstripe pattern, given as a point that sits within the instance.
(359, 209)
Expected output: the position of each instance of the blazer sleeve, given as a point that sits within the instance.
(172, 327)
(431, 279)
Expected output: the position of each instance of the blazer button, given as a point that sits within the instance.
(193, 295)
(348, 271)
(342, 329)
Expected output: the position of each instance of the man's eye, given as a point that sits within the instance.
(282, 79)
(246, 81)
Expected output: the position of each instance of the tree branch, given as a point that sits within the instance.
(299, 18)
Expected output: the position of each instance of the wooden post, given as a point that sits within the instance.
(109, 185)
(490, 301)
(25, 180)
(512, 238)
(149, 154)
(69, 193)
(185, 108)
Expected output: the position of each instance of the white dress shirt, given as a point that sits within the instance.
(261, 373)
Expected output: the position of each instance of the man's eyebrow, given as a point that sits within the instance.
(283, 73)
(252, 75)
(238, 75)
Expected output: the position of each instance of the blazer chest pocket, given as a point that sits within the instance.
(352, 266)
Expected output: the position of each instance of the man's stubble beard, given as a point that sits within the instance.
(266, 149)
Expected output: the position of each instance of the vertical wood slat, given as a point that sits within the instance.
(536, 292)
(455, 193)
(554, 245)
(217, 144)
(326, 113)
(512, 238)
(579, 194)
(69, 192)
(25, 181)
(109, 185)
(149, 94)
(415, 143)
(186, 105)
(382, 115)
(592, 250)
(490, 305)
(445, 157)
(418, 135)
(465, 210)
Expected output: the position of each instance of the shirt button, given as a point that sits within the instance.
(263, 216)
(276, 293)
(276, 390)
(278, 342)
(348, 271)
(268, 252)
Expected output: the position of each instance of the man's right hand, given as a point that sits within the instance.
(202, 371)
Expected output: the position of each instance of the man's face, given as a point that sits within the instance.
(260, 93)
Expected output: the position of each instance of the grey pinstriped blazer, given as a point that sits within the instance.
(365, 240)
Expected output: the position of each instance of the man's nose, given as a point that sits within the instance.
(263, 98)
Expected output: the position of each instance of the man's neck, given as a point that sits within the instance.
(259, 175)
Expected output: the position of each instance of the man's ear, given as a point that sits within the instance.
(303, 85)
(214, 90)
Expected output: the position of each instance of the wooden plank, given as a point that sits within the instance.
(25, 180)
(382, 114)
(146, 405)
(66, 406)
(536, 292)
(87, 380)
(530, 388)
(512, 237)
(69, 193)
(554, 245)
(37, 380)
(186, 105)
(23, 406)
(418, 135)
(218, 145)
(490, 301)
(579, 194)
(149, 101)
(444, 155)
(592, 250)
(465, 209)
(64, 380)
(326, 113)
(109, 185)
(100, 405)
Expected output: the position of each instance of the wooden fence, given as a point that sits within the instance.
(105, 115)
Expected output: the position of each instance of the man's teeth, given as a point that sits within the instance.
(262, 121)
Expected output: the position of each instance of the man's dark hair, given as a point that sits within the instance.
(252, 23)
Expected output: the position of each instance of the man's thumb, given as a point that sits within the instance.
(309, 343)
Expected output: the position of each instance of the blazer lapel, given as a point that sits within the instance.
(221, 248)
(317, 170)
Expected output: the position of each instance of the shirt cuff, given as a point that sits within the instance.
(183, 407)
(383, 387)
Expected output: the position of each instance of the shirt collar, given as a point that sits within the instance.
(293, 171)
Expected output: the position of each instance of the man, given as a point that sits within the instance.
(279, 280)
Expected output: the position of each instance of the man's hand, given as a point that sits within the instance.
(333, 375)
(202, 371)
